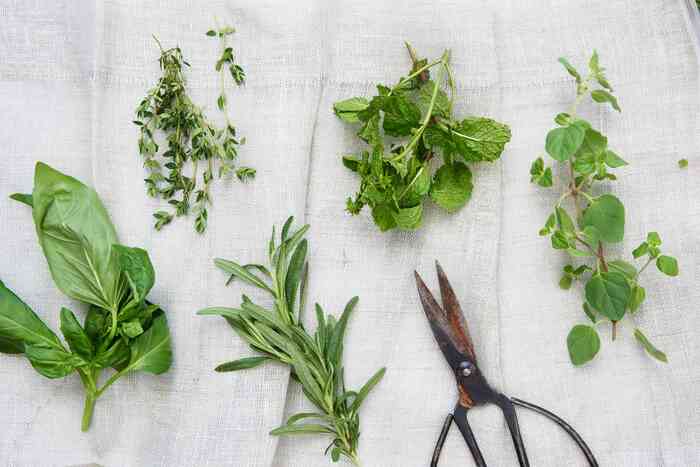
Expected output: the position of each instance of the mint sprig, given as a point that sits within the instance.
(405, 127)
(612, 286)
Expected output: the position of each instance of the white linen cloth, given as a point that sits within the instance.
(71, 74)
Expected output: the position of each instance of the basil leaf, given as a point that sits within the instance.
(609, 293)
(19, 325)
(117, 356)
(76, 235)
(151, 351)
(137, 267)
(607, 214)
(583, 343)
(75, 335)
(51, 362)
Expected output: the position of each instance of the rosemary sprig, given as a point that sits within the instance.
(279, 335)
(194, 144)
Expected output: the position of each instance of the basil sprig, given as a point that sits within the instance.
(121, 329)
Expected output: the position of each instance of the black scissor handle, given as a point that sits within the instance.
(562, 423)
(506, 404)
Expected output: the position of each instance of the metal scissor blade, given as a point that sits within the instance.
(454, 314)
(442, 330)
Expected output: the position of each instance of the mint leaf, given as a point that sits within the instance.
(349, 109)
(400, 116)
(383, 216)
(452, 186)
(481, 139)
(409, 218)
(583, 344)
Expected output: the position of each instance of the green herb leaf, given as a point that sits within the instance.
(19, 325)
(683, 163)
(75, 335)
(649, 347)
(570, 69)
(241, 364)
(348, 109)
(600, 95)
(52, 362)
(583, 344)
(76, 235)
(607, 214)
(137, 267)
(409, 218)
(668, 265)
(23, 198)
(609, 293)
(563, 142)
(452, 186)
(151, 351)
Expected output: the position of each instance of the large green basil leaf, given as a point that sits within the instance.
(19, 325)
(151, 351)
(52, 363)
(137, 267)
(76, 235)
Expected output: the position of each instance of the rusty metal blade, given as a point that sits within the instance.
(455, 316)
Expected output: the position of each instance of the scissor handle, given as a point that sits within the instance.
(506, 404)
(592, 462)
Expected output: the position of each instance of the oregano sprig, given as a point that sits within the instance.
(197, 150)
(612, 286)
(405, 127)
(277, 334)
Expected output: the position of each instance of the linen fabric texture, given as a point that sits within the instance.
(71, 76)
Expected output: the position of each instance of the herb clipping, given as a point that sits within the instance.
(612, 286)
(197, 150)
(405, 127)
(278, 334)
(122, 330)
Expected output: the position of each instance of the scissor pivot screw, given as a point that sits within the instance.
(466, 368)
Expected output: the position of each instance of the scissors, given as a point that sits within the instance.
(452, 335)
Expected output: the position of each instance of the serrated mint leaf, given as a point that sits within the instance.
(348, 109)
(442, 102)
(409, 218)
(583, 344)
(481, 139)
(452, 186)
(400, 116)
(383, 216)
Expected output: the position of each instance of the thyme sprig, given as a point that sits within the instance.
(195, 146)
